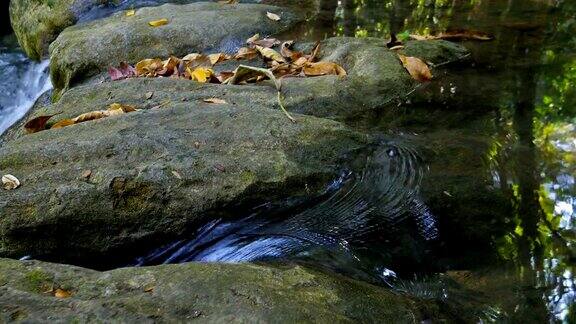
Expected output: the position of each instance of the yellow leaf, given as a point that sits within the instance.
(201, 74)
(61, 293)
(217, 58)
(272, 16)
(159, 22)
(10, 182)
(63, 123)
(270, 54)
(121, 107)
(130, 13)
(93, 115)
(253, 39)
(416, 67)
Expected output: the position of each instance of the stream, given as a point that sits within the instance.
(468, 198)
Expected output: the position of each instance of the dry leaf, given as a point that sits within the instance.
(323, 68)
(130, 13)
(273, 16)
(61, 293)
(148, 67)
(245, 53)
(37, 124)
(169, 66)
(86, 174)
(456, 35)
(10, 182)
(159, 22)
(266, 42)
(177, 175)
(201, 74)
(270, 54)
(217, 58)
(93, 115)
(416, 67)
(123, 108)
(224, 75)
(244, 73)
(63, 123)
(215, 101)
(252, 39)
(149, 95)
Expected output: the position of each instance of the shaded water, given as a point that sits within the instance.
(469, 201)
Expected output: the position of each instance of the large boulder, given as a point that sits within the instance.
(211, 293)
(85, 50)
(38, 22)
(375, 78)
(154, 172)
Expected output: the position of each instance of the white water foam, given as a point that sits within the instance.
(23, 82)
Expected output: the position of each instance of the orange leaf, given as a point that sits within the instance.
(416, 67)
(323, 68)
(37, 124)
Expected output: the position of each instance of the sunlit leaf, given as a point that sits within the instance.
(61, 293)
(63, 123)
(148, 67)
(215, 101)
(130, 13)
(159, 22)
(270, 54)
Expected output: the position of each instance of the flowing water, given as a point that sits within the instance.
(469, 198)
(22, 81)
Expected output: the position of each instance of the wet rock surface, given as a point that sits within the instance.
(158, 170)
(213, 293)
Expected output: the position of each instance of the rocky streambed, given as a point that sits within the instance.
(126, 183)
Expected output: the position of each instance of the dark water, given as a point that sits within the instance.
(469, 198)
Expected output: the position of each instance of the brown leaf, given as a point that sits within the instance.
(93, 115)
(416, 67)
(86, 174)
(456, 35)
(323, 68)
(123, 108)
(246, 73)
(224, 75)
(266, 42)
(10, 182)
(215, 101)
(169, 66)
(149, 95)
(217, 58)
(252, 39)
(37, 124)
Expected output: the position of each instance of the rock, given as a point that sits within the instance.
(225, 156)
(86, 50)
(375, 78)
(38, 23)
(213, 293)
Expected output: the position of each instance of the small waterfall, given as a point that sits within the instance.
(22, 82)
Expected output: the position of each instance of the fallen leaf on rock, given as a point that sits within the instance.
(201, 74)
(217, 58)
(63, 123)
(61, 293)
(219, 167)
(416, 67)
(86, 174)
(148, 67)
(215, 101)
(245, 53)
(224, 76)
(245, 73)
(149, 95)
(323, 68)
(130, 13)
(10, 182)
(252, 39)
(273, 16)
(266, 42)
(121, 107)
(177, 175)
(270, 54)
(93, 115)
(169, 66)
(158, 23)
(115, 74)
(37, 124)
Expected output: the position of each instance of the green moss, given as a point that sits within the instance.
(37, 281)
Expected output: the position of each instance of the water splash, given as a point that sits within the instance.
(352, 208)
(22, 81)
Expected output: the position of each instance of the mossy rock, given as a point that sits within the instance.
(156, 171)
(38, 22)
(211, 293)
(86, 50)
